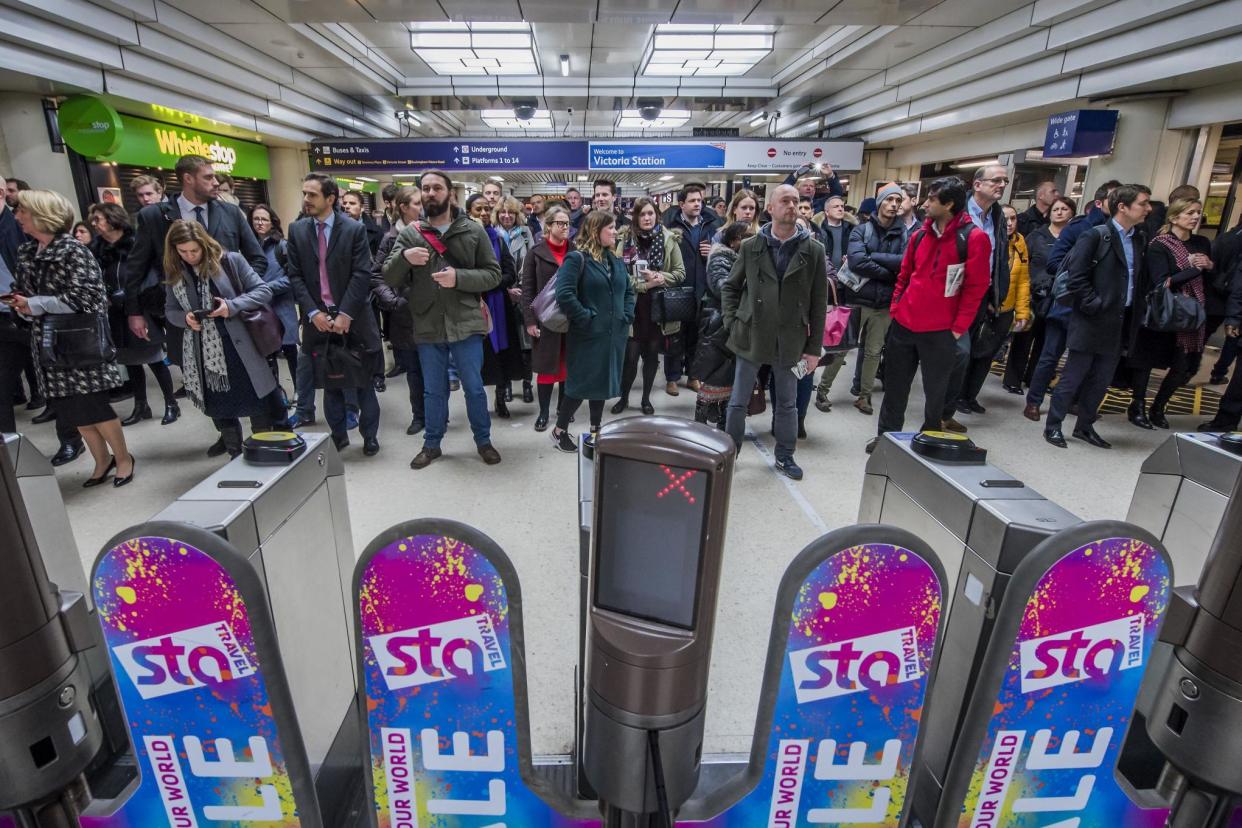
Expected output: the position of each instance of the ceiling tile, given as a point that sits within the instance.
(556, 11)
(383, 35)
(282, 43)
(968, 12)
(789, 12)
(634, 11)
(482, 10)
(316, 11)
(224, 11)
(876, 12)
(900, 45)
(403, 11)
(711, 11)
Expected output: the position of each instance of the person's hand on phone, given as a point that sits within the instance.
(417, 256)
(221, 310)
(321, 322)
(826, 169)
(192, 322)
(533, 330)
(446, 278)
(811, 361)
(138, 326)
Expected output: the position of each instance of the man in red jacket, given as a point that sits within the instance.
(935, 301)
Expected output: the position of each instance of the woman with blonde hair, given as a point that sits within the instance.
(57, 275)
(1181, 260)
(596, 295)
(547, 357)
(743, 207)
(226, 377)
(510, 223)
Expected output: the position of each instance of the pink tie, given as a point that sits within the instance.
(325, 288)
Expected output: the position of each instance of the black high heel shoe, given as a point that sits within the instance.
(92, 482)
(118, 482)
(172, 412)
(620, 406)
(502, 410)
(528, 393)
(142, 411)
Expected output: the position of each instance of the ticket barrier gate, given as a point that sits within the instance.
(982, 522)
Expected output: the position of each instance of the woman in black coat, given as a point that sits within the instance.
(408, 204)
(114, 239)
(547, 356)
(1180, 259)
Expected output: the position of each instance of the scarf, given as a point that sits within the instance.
(654, 242)
(559, 251)
(214, 367)
(496, 300)
(1188, 342)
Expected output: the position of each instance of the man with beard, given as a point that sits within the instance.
(442, 264)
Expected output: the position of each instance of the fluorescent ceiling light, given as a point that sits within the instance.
(668, 119)
(969, 165)
(505, 119)
(475, 48)
(693, 50)
(667, 177)
(565, 66)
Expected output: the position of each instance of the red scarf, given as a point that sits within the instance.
(1188, 342)
(559, 251)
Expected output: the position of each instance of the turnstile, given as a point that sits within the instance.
(37, 481)
(292, 522)
(981, 522)
(1181, 494)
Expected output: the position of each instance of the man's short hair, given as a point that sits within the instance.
(981, 171)
(685, 191)
(833, 198)
(443, 176)
(1102, 192)
(911, 190)
(389, 192)
(604, 182)
(1125, 196)
(353, 193)
(141, 181)
(327, 185)
(804, 200)
(949, 191)
(573, 190)
(189, 165)
(21, 185)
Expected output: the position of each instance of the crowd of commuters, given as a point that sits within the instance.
(583, 297)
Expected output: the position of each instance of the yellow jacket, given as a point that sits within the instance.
(1019, 297)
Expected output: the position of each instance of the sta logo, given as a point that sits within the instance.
(438, 652)
(1085, 653)
(870, 662)
(184, 660)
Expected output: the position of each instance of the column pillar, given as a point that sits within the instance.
(289, 167)
(25, 149)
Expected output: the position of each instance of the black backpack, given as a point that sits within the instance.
(963, 237)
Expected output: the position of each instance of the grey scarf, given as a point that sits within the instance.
(206, 342)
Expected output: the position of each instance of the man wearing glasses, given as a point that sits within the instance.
(986, 213)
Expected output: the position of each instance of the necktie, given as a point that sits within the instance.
(199, 217)
(325, 288)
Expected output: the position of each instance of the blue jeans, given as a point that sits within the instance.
(1055, 333)
(785, 416)
(468, 356)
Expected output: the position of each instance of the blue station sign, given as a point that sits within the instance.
(466, 154)
(1080, 132)
(646, 155)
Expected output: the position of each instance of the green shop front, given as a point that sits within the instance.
(113, 149)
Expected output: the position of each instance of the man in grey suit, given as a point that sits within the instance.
(329, 268)
(196, 202)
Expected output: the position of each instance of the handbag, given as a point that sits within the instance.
(836, 320)
(758, 402)
(75, 340)
(675, 304)
(265, 328)
(1172, 312)
(545, 307)
(339, 364)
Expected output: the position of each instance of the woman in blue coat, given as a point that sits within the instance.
(595, 293)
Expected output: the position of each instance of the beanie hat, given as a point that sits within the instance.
(890, 189)
(867, 206)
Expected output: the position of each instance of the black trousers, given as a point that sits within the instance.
(1183, 368)
(649, 351)
(935, 353)
(681, 347)
(569, 407)
(980, 364)
(14, 357)
(1086, 378)
(1024, 350)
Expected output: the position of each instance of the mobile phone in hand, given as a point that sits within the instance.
(799, 369)
(200, 315)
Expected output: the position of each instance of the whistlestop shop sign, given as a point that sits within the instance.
(496, 155)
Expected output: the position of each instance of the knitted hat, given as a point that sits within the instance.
(890, 189)
(867, 206)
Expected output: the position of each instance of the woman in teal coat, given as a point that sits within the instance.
(594, 291)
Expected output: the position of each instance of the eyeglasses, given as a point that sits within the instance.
(558, 223)
(1001, 180)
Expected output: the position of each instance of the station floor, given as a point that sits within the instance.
(527, 504)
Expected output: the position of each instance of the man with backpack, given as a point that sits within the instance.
(1102, 272)
(944, 276)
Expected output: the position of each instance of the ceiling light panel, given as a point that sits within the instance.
(690, 50)
(475, 48)
(668, 119)
(505, 119)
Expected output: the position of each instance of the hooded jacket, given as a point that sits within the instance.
(919, 303)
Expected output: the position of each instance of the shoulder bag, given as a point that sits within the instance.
(338, 363)
(265, 328)
(840, 327)
(547, 310)
(674, 304)
(1170, 311)
(847, 277)
(75, 340)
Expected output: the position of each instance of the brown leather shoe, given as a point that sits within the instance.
(694, 385)
(423, 459)
(863, 404)
(953, 425)
(489, 454)
(671, 389)
(1031, 412)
